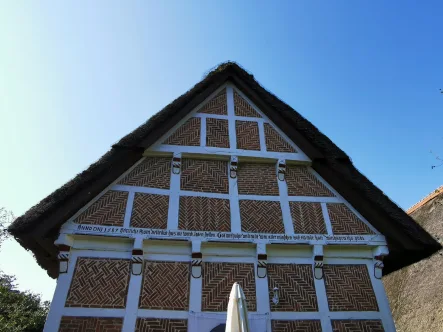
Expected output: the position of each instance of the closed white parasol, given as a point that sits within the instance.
(237, 320)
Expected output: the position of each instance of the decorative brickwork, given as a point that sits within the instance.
(204, 214)
(357, 326)
(349, 288)
(217, 133)
(257, 179)
(296, 287)
(301, 182)
(152, 172)
(307, 218)
(261, 217)
(242, 107)
(217, 105)
(247, 135)
(345, 222)
(108, 210)
(205, 175)
(150, 211)
(165, 286)
(296, 326)
(275, 142)
(218, 279)
(99, 283)
(90, 324)
(187, 134)
(161, 325)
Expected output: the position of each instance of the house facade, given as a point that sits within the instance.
(219, 188)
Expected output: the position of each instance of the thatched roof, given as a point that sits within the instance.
(37, 228)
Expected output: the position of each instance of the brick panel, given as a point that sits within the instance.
(345, 222)
(108, 210)
(187, 134)
(296, 326)
(296, 287)
(257, 179)
(161, 325)
(349, 288)
(152, 172)
(275, 142)
(150, 211)
(204, 214)
(357, 326)
(99, 283)
(218, 279)
(205, 175)
(217, 133)
(307, 218)
(301, 182)
(90, 324)
(261, 217)
(165, 286)
(242, 107)
(247, 135)
(217, 105)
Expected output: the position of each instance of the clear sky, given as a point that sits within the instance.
(75, 76)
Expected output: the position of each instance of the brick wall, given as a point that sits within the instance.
(108, 210)
(152, 172)
(165, 286)
(307, 218)
(349, 288)
(296, 326)
(150, 211)
(99, 283)
(257, 179)
(261, 217)
(303, 183)
(247, 135)
(218, 279)
(217, 133)
(345, 222)
(204, 175)
(296, 287)
(357, 325)
(204, 214)
(242, 107)
(275, 142)
(217, 105)
(187, 134)
(90, 324)
(161, 325)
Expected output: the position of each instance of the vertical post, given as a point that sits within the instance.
(174, 192)
(324, 209)
(284, 202)
(231, 117)
(233, 196)
(196, 283)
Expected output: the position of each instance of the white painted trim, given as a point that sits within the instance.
(314, 199)
(322, 300)
(100, 254)
(231, 118)
(195, 287)
(203, 194)
(226, 117)
(326, 219)
(284, 204)
(289, 260)
(261, 286)
(229, 259)
(128, 211)
(144, 190)
(173, 314)
(234, 203)
(261, 136)
(167, 257)
(202, 131)
(174, 197)
(93, 312)
(329, 315)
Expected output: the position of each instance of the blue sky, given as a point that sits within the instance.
(75, 76)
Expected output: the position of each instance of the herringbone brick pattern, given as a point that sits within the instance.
(296, 287)
(247, 135)
(257, 179)
(99, 283)
(349, 288)
(307, 218)
(152, 172)
(204, 214)
(165, 286)
(261, 217)
(187, 134)
(217, 105)
(150, 211)
(218, 279)
(217, 133)
(296, 326)
(275, 142)
(357, 326)
(90, 324)
(205, 175)
(108, 210)
(161, 325)
(242, 107)
(303, 183)
(345, 222)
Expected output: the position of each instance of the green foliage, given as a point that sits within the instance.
(20, 311)
(5, 219)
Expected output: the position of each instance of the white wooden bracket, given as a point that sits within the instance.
(233, 167)
(64, 243)
(281, 169)
(176, 163)
(318, 262)
(196, 262)
(137, 260)
(262, 261)
(379, 253)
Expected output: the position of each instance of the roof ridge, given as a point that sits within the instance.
(426, 199)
